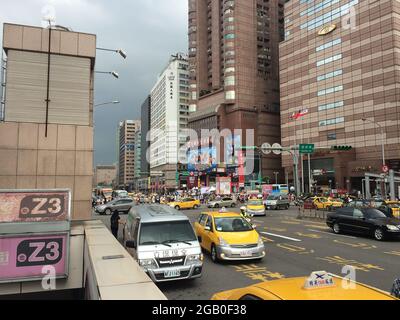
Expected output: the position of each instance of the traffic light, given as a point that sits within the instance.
(341, 148)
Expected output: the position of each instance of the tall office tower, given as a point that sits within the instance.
(138, 155)
(169, 113)
(340, 60)
(127, 130)
(234, 73)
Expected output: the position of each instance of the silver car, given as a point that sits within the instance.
(122, 205)
(224, 202)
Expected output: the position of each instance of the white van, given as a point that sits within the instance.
(163, 242)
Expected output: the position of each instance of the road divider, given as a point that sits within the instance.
(280, 236)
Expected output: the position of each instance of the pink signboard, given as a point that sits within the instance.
(34, 205)
(23, 257)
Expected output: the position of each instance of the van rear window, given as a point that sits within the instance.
(166, 232)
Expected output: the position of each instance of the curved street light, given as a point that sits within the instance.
(110, 102)
(113, 73)
(382, 140)
(121, 52)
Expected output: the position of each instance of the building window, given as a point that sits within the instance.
(329, 90)
(330, 75)
(230, 80)
(331, 121)
(230, 69)
(331, 136)
(331, 106)
(230, 36)
(328, 45)
(329, 60)
(318, 7)
(230, 95)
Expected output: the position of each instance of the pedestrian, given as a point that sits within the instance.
(114, 222)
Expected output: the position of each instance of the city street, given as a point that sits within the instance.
(294, 248)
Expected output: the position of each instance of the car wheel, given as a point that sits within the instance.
(214, 255)
(177, 207)
(195, 206)
(233, 205)
(108, 212)
(336, 228)
(378, 234)
(216, 205)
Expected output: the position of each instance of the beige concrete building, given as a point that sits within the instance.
(234, 73)
(340, 59)
(105, 175)
(127, 142)
(46, 132)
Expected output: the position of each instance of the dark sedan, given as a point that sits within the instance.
(369, 221)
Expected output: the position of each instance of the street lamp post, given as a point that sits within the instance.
(120, 51)
(276, 177)
(113, 73)
(110, 102)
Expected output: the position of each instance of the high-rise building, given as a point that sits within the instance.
(127, 142)
(138, 154)
(169, 114)
(234, 73)
(340, 60)
(105, 175)
(145, 143)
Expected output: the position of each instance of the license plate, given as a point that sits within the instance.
(246, 253)
(172, 273)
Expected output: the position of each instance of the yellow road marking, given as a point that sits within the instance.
(318, 227)
(309, 235)
(258, 273)
(356, 245)
(290, 222)
(395, 253)
(357, 265)
(265, 239)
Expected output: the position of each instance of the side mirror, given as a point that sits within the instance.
(207, 228)
(130, 244)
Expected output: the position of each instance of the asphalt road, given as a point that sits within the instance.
(294, 248)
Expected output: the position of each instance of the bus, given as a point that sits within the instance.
(274, 189)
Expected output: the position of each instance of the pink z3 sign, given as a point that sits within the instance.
(23, 257)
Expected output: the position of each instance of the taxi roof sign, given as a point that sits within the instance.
(319, 279)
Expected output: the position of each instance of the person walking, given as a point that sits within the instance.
(114, 223)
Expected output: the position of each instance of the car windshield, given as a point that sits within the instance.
(232, 224)
(122, 193)
(393, 205)
(166, 232)
(373, 213)
(272, 198)
(255, 203)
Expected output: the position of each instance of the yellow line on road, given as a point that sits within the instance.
(394, 253)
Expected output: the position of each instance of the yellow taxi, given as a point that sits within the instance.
(320, 285)
(391, 206)
(228, 236)
(185, 203)
(255, 207)
(326, 203)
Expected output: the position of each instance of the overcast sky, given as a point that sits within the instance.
(148, 30)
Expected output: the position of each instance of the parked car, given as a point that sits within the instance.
(276, 202)
(325, 203)
(121, 205)
(390, 208)
(185, 203)
(163, 242)
(228, 236)
(224, 202)
(368, 221)
(320, 285)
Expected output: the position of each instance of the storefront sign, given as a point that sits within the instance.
(327, 29)
(22, 257)
(223, 185)
(34, 206)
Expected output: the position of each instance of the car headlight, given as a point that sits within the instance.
(194, 258)
(392, 227)
(223, 243)
(260, 241)
(147, 263)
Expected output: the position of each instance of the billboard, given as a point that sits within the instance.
(204, 159)
(223, 185)
(233, 144)
(24, 256)
(34, 205)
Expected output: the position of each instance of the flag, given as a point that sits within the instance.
(298, 114)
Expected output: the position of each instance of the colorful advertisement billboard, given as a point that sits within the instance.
(233, 144)
(23, 257)
(204, 159)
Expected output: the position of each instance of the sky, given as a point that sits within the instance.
(149, 31)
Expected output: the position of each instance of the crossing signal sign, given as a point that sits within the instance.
(341, 148)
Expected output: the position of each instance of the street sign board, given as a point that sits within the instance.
(385, 169)
(306, 148)
(277, 146)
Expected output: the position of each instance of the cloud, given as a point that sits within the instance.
(148, 30)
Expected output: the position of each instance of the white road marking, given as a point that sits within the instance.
(333, 234)
(258, 221)
(279, 236)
